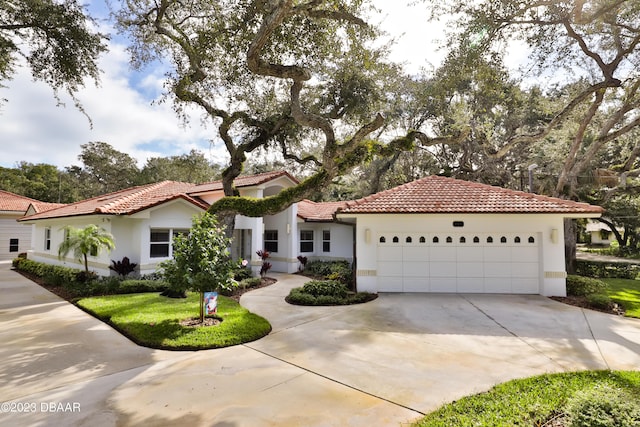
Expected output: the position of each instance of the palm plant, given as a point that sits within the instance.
(85, 241)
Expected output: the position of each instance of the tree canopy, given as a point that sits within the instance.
(57, 38)
(588, 51)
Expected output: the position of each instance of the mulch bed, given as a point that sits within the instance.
(266, 281)
(64, 294)
(195, 322)
(614, 308)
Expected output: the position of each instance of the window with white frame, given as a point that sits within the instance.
(306, 240)
(160, 241)
(271, 240)
(326, 240)
(47, 239)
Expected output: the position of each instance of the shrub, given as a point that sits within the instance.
(53, 275)
(600, 301)
(583, 286)
(242, 271)
(601, 269)
(326, 292)
(123, 267)
(325, 288)
(139, 286)
(330, 270)
(251, 282)
(603, 406)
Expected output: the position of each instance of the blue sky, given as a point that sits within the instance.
(123, 111)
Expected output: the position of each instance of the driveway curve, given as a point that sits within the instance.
(381, 363)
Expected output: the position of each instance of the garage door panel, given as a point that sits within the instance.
(470, 284)
(415, 253)
(497, 269)
(390, 268)
(525, 286)
(525, 269)
(443, 269)
(390, 284)
(469, 254)
(416, 284)
(442, 253)
(496, 253)
(390, 253)
(497, 285)
(443, 284)
(415, 269)
(469, 269)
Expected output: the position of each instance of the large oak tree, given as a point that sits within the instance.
(300, 77)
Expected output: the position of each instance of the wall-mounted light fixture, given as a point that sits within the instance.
(288, 228)
(554, 235)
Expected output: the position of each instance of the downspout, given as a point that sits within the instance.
(354, 269)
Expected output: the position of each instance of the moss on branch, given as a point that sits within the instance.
(252, 207)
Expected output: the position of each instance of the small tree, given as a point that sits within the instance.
(201, 261)
(84, 242)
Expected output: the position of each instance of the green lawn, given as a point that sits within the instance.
(152, 320)
(527, 402)
(627, 293)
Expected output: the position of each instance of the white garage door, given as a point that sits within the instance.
(473, 263)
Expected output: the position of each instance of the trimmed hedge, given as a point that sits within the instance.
(326, 292)
(583, 286)
(54, 275)
(605, 269)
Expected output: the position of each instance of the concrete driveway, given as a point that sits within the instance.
(381, 363)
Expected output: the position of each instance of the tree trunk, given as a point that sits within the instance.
(86, 265)
(570, 245)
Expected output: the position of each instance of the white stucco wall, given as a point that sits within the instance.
(173, 215)
(552, 269)
(285, 259)
(99, 264)
(131, 235)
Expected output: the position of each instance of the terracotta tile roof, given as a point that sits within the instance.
(320, 212)
(436, 194)
(242, 181)
(11, 202)
(125, 202)
(136, 199)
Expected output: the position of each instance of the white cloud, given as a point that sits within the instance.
(34, 129)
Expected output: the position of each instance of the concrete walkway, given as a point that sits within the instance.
(381, 363)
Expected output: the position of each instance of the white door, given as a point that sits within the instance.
(459, 262)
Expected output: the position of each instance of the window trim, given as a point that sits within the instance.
(326, 240)
(47, 239)
(270, 244)
(172, 233)
(306, 243)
